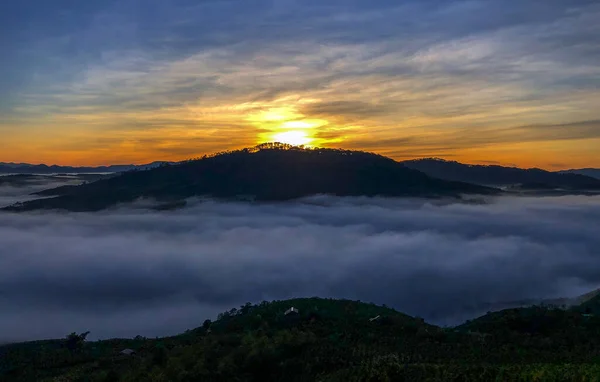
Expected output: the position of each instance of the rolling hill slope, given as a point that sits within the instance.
(328, 340)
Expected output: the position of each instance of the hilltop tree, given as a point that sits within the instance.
(75, 341)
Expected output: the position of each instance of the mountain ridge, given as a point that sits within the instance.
(495, 175)
(268, 172)
(588, 171)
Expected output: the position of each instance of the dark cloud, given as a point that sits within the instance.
(132, 271)
(526, 41)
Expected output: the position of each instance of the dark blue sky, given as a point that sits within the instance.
(90, 82)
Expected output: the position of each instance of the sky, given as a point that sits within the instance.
(132, 271)
(100, 82)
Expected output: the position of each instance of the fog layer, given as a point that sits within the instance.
(19, 188)
(133, 271)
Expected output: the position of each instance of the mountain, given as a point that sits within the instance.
(591, 172)
(13, 165)
(269, 172)
(25, 168)
(328, 340)
(533, 178)
(561, 302)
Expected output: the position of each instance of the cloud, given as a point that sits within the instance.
(133, 271)
(384, 69)
(336, 109)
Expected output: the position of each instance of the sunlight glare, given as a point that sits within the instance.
(293, 137)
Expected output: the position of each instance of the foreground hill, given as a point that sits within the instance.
(533, 178)
(270, 172)
(329, 340)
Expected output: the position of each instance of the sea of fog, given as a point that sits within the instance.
(131, 271)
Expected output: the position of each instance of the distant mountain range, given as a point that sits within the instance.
(269, 172)
(26, 168)
(499, 176)
(275, 172)
(591, 172)
(564, 302)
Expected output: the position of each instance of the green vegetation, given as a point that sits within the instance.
(329, 340)
(269, 172)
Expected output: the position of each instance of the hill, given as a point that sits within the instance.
(561, 302)
(591, 172)
(540, 326)
(532, 178)
(591, 305)
(328, 340)
(269, 172)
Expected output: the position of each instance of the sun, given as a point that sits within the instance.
(293, 137)
(286, 124)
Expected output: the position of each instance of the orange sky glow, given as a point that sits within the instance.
(402, 80)
(178, 133)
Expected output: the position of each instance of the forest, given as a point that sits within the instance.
(330, 340)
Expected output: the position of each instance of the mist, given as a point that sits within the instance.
(21, 187)
(133, 271)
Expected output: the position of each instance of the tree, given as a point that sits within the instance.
(246, 308)
(75, 341)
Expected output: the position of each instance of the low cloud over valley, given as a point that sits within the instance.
(133, 271)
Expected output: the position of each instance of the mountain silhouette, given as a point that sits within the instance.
(26, 168)
(591, 172)
(533, 178)
(268, 172)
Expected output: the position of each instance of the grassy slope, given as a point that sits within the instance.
(331, 340)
